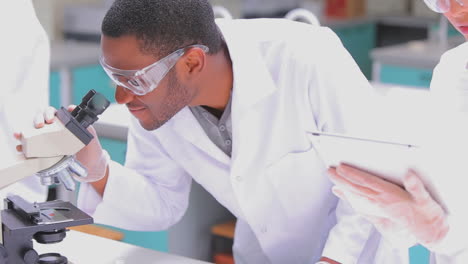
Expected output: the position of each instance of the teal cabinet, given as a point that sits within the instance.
(91, 77)
(54, 89)
(117, 149)
(405, 76)
(451, 32)
(359, 40)
(152, 240)
(83, 79)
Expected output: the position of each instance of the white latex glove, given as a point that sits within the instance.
(403, 216)
(450, 79)
(92, 156)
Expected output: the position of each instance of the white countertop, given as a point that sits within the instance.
(419, 54)
(82, 248)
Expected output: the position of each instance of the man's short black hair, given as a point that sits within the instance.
(163, 26)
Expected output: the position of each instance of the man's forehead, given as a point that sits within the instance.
(124, 53)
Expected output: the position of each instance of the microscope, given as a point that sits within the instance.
(49, 154)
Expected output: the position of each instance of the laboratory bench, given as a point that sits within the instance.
(81, 248)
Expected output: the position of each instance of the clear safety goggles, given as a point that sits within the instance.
(141, 82)
(443, 6)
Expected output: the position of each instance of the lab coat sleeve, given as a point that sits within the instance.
(450, 95)
(341, 104)
(149, 193)
(26, 58)
(450, 80)
(24, 68)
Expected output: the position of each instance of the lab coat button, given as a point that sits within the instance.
(263, 229)
(228, 142)
(222, 128)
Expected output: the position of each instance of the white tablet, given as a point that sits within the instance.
(387, 159)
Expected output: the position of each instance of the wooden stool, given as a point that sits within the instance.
(223, 231)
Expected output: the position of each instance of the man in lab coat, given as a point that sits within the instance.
(24, 54)
(229, 105)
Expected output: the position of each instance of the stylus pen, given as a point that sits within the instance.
(363, 139)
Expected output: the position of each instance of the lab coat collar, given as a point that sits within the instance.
(186, 125)
(252, 83)
(252, 80)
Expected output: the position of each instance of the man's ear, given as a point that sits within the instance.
(194, 61)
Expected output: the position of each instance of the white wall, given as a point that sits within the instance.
(50, 14)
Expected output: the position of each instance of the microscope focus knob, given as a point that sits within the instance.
(31, 256)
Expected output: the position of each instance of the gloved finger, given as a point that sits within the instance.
(339, 193)
(49, 114)
(348, 185)
(361, 204)
(17, 135)
(363, 178)
(70, 108)
(19, 148)
(39, 120)
(415, 187)
(382, 224)
(349, 196)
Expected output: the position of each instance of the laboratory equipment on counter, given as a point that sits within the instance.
(48, 153)
(44, 222)
(221, 12)
(301, 14)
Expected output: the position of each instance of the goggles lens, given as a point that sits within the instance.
(141, 82)
(442, 6)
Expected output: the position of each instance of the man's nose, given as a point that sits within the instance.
(123, 96)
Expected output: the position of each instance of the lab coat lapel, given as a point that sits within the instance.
(252, 84)
(187, 126)
(252, 80)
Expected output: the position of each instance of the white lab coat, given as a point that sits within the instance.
(289, 78)
(449, 87)
(24, 67)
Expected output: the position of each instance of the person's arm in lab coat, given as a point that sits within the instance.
(25, 56)
(340, 105)
(25, 61)
(149, 193)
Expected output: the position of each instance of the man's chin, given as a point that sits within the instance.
(151, 125)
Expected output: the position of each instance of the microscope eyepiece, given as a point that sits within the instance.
(84, 115)
(92, 105)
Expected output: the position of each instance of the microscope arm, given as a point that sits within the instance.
(49, 151)
(52, 140)
(43, 148)
(24, 167)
